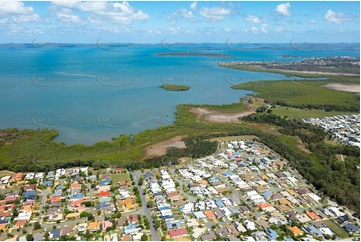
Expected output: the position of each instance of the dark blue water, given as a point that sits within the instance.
(91, 94)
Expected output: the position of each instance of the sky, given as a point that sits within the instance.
(71, 21)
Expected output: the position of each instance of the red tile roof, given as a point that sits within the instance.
(104, 194)
(177, 232)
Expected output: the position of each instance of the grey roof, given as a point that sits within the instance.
(210, 235)
(351, 228)
(55, 233)
(38, 236)
(222, 232)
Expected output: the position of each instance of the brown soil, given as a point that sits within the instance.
(219, 117)
(160, 148)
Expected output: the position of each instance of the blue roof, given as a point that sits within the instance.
(57, 193)
(213, 179)
(227, 173)
(267, 194)
(219, 202)
(164, 208)
(313, 230)
(60, 187)
(272, 234)
(148, 174)
(131, 226)
(29, 194)
(103, 205)
(104, 182)
(48, 183)
(78, 196)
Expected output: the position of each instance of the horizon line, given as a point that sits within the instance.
(174, 42)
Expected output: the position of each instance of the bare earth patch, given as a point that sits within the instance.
(160, 148)
(343, 87)
(219, 117)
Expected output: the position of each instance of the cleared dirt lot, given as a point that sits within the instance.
(219, 117)
(160, 148)
(343, 87)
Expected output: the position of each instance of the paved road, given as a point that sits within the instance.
(43, 203)
(238, 197)
(90, 189)
(146, 212)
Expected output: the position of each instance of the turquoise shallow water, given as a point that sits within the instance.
(91, 94)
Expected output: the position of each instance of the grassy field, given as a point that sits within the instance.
(303, 113)
(299, 92)
(14, 189)
(174, 87)
(337, 229)
(119, 177)
(225, 108)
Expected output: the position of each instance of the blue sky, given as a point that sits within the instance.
(70, 21)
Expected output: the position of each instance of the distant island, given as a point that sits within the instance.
(194, 54)
(175, 87)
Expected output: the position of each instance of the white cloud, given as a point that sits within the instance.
(18, 11)
(193, 5)
(255, 30)
(83, 6)
(119, 12)
(26, 18)
(336, 18)
(66, 15)
(253, 19)
(182, 12)
(14, 7)
(283, 9)
(264, 28)
(214, 13)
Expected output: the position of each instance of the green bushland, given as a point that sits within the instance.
(304, 94)
(175, 87)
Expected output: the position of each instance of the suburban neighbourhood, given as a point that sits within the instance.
(245, 191)
(345, 129)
